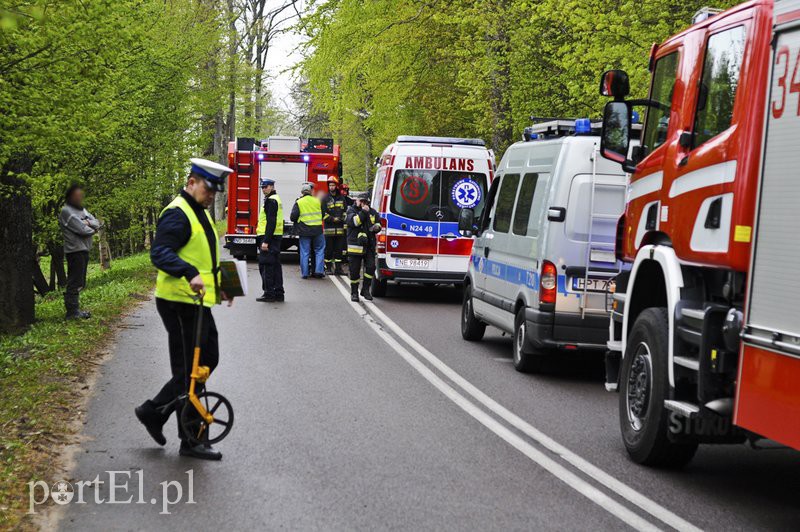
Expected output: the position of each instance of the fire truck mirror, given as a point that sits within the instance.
(615, 83)
(615, 137)
(466, 222)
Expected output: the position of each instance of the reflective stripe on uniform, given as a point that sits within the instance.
(358, 250)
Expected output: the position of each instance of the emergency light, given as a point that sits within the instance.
(583, 126)
(260, 156)
(635, 117)
(306, 158)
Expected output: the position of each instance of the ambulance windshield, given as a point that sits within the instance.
(436, 195)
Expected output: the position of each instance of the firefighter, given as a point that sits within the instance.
(186, 253)
(362, 225)
(307, 218)
(270, 235)
(334, 211)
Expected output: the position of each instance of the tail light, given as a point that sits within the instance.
(619, 251)
(548, 283)
(380, 246)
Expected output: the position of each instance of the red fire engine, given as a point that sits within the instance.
(705, 337)
(287, 160)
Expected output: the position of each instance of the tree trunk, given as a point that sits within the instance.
(58, 275)
(16, 247)
(39, 280)
(105, 251)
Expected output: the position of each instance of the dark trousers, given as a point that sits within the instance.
(356, 261)
(269, 266)
(77, 263)
(334, 244)
(180, 320)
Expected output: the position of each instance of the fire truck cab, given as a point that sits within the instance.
(290, 162)
(421, 185)
(675, 351)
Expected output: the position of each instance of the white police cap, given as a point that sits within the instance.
(215, 174)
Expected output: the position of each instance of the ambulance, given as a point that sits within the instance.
(421, 185)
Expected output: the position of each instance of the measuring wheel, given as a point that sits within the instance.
(197, 429)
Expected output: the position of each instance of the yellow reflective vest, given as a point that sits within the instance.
(261, 228)
(310, 210)
(197, 253)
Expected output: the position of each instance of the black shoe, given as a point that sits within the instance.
(338, 270)
(152, 420)
(85, 314)
(354, 293)
(279, 299)
(319, 275)
(305, 277)
(365, 292)
(266, 299)
(202, 451)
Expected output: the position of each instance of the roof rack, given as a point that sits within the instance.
(551, 128)
(441, 140)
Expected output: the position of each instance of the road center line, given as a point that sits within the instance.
(549, 464)
(615, 485)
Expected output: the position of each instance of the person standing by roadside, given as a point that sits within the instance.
(363, 223)
(307, 217)
(269, 236)
(334, 212)
(186, 253)
(78, 228)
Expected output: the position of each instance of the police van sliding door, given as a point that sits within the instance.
(768, 401)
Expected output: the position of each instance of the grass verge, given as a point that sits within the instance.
(44, 372)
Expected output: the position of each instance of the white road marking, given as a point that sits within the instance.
(618, 487)
(502, 359)
(559, 471)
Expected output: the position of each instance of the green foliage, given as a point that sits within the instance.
(472, 68)
(109, 93)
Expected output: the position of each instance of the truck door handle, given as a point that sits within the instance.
(486, 252)
(448, 236)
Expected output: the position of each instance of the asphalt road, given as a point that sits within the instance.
(382, 417)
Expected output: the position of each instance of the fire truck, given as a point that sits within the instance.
(704, 342)
(290, 162)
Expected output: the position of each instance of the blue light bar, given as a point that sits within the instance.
(635, 118)
(583, 126)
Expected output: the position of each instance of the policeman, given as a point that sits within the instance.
(270, 234)
(334, 211)
(362, 225)
(307, 217)
(186, 253)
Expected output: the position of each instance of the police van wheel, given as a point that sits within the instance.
(644, 385)
(379, 287)
(472, 329)
(525, 360)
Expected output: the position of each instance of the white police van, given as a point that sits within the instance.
(544, 247)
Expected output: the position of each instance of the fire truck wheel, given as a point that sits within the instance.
(644, 385)
(525, 359)
(379, 287)
(472, 329)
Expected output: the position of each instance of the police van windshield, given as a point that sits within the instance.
(437, 195)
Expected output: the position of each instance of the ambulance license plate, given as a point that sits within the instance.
(592, 285)
(413, 263)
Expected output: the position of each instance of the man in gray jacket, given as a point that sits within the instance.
(78, 227)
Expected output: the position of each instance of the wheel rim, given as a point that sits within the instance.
(640, 385)
(519, 342)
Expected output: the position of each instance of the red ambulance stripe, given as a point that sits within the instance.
(460, 246)
(411, 244)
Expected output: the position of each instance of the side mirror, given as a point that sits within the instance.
(615, 83)
(556, 214)
(615, 137)
(466, 222)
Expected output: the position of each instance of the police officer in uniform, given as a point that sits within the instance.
(334, 211)
(186, 253)
(362, 225)
(269, 235)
